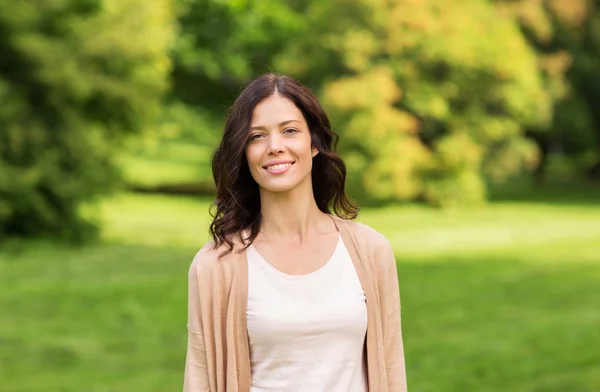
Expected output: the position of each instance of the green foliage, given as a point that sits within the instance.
(433, 99)
(75, 78)
(578, 123)
(222, 44)
(403, 81)
(177, 152)
(566, 34)
(428, 98)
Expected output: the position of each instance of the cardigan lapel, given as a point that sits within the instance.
(241, 380)
(373, 363)
(243, 360)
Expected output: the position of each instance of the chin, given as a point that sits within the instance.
(285, 183)
(278, 188)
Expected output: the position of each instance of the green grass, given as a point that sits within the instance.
(169, 162)
(502, 298)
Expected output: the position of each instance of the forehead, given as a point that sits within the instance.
(275, 110)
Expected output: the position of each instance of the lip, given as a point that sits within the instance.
(278, 162)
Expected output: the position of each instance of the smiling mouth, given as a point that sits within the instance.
(279, 167)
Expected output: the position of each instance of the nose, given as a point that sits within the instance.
(276, 145)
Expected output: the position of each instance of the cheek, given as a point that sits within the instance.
(251, 155)
(253, 160)
(301, 146)
(309, 144)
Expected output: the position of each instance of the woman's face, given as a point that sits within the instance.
(279, 149)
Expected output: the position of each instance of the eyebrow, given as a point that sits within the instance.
(281, 124)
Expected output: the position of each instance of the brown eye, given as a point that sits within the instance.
(290, 130)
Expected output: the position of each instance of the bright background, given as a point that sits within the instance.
(470, 129)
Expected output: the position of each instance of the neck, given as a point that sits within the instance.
(291, 215)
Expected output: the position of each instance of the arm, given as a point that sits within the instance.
(391, 319)
(196, 377)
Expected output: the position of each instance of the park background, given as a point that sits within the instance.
(471, 132)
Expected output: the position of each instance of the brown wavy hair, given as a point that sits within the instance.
(237, 205)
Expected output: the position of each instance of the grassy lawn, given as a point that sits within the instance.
(502, 298)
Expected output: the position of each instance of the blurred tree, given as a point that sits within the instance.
(578, 117)
(75, 77)
(563, 33)
(431, 96)
(219, 46)
(222, 44)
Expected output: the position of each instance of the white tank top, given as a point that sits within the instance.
(306, 332)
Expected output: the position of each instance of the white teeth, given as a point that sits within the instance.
(279, 166)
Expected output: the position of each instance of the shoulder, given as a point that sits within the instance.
(374, 248)
(366, 235)
(206, 258)
(208, 262)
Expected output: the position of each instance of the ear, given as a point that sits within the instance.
(315, 151)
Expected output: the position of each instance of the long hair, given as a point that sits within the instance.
(237, 205)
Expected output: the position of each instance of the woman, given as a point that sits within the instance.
(287, 296)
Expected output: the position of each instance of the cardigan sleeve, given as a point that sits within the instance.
(196, 378)
(391, 319)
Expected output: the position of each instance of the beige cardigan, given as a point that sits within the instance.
(218, 356)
